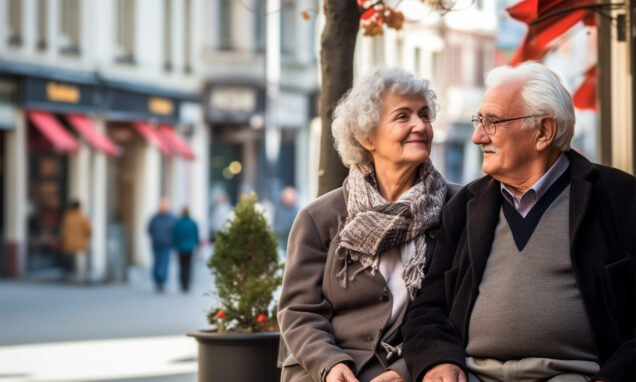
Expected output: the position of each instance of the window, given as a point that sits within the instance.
(288, 20)
(42, 24)
(167, 35)
(480, 65)
(224, 28)
(378, 50)
(69, 26)
(260, 25)
(187, 43)
(15, 22)
(125, 34)
(417, 61)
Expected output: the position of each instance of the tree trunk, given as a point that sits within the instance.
(337, 46)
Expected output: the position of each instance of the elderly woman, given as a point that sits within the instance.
(356, 255)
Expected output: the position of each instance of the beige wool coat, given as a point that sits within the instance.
(322, 322)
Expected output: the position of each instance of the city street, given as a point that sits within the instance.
(55, 331)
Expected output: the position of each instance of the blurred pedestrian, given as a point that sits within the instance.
(160, 231)
(284, 215)
(185, 236)
(222, 211)
(76, 233)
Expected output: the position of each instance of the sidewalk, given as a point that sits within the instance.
(52, 331)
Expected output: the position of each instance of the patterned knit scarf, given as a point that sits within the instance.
(374, 225)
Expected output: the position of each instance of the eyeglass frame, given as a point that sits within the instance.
(480, 120)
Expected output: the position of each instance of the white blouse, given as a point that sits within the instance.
(390, 268)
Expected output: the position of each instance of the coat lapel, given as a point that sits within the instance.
(482, 215)
(580, 191)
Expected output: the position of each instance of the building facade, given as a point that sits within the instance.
(95, 107)
(260, 93)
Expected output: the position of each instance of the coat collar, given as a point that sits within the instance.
(482, 215)
(581, 171)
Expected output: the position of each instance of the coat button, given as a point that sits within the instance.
(368, 339)
(384, 298)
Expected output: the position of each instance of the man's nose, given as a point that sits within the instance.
(479, 135)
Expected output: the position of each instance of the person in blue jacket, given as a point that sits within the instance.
(185, 237)
(160, 231)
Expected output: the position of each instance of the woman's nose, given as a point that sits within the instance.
(420, 125)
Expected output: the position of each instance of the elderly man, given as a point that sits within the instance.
(533, 273)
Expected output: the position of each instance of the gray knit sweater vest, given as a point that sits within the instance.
(529, 304)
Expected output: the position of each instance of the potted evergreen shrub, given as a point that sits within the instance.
(243, 342)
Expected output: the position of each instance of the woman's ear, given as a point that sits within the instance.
(546, 131)
(367, 144)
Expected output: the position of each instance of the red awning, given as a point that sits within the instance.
(176, 143)
(585, 96)
(96, 139)
(61, 139)
(153, 136)
(567, 13)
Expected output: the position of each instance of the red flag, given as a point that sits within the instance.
(585, 96)
(539, 35)
(525, 11)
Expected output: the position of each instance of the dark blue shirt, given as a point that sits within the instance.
(160, 230)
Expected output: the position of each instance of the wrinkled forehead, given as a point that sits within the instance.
(503, 100)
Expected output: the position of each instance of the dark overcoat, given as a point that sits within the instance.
(602, 237)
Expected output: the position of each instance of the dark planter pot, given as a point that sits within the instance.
(241, 357)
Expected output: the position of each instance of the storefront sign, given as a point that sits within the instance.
(131, 105)
(45, 94)
(57, 92)
(234, 104)
(161, 106)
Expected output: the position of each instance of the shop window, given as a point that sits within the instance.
(223, 155)
(287, 158)
(167, 35)
(125, 33)
(70, 27)
(42, 24)
(14, 22)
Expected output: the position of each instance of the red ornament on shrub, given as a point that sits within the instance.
(221, 315)
(261, 318)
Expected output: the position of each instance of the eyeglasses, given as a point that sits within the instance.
(490, 125)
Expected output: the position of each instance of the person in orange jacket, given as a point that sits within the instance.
(76, 233)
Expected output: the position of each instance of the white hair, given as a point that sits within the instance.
(543, 93)
(357, 114)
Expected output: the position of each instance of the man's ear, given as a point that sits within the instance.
(546, 131)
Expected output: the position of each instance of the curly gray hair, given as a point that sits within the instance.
(357, 114)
